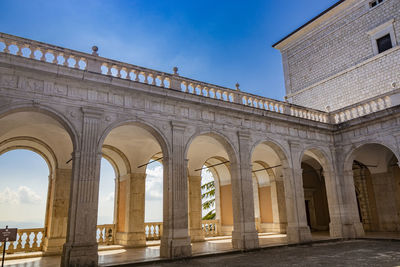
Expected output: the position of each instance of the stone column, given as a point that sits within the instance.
(132, 232)
(195, 214)
(332, 185)
(257, 219)
(81, 246)
(351, 225)
(278, 205)
(244, 235)
(175, 241)
(297, 229)
(57, 216)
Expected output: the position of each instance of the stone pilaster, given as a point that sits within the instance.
(175, 241)
(351, 225)
(57, 216)
(133, 234)
(81, 246)
(244, 235)
(297, 229)
(278, 206)
(195, 212)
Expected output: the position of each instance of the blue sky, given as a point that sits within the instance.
(221, 42)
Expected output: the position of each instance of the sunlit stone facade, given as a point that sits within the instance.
(278, 167)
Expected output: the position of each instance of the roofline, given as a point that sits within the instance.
(309, 22)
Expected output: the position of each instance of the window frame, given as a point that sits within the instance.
(379, 32)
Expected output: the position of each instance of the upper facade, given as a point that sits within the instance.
(345, 55)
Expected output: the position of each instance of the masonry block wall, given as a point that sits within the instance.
(333, 61)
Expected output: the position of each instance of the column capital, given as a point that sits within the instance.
(179, 126)
(92, 112)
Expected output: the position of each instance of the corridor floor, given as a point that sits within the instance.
(212, 246)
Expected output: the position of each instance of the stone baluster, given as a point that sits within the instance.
(154, 77)
(244, 235)
(33, 50)
(19, 49)
(109, 67)
(175, 241)
(66, 58)
(43, 57)
(162, 78)
(137, 73)
(81, 246)
(6, 48)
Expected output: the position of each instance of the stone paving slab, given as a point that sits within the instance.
(343, 253)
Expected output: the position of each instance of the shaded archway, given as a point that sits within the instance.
(49, 134)
(213, 151)
(137, 144)
(268, 160)
(374, 174)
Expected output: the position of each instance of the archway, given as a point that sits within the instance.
(268, 160)
(50, 136)
(213, 152)
(376, 179)
(132, 146)
(316, 202)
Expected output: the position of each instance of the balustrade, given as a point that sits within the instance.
(153, 230)
(34, 50)
(210, 227)
(28, 240)
(363, 108)
(105, 234)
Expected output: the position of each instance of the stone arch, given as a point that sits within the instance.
(367, 170)
(221, 138)
(329, 210)
(349, 158)
(123, 139)
(271, 155)
(278, 148)
(152, 129)
(34, 145)
(45, 110)
(117, 159)
(217, 147)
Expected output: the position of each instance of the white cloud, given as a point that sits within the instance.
(109, 197)
(23, 195)
(154, 183)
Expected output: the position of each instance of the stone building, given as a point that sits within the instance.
(292, 167)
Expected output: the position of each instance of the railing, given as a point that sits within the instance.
(105, 234)
(210, 227)
(34, 50)
(368, 106)
(28, 240)
(153, 230)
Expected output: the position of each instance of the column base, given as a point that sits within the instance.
(175, 248)
(245, 241)
(75, 255)
(353, 230)
(296, 234)
(273, 228)
(53, 246)
(196, 235)
(131, 239)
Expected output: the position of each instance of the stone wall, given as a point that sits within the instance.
(334, 64)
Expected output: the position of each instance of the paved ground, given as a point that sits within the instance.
(344, 253)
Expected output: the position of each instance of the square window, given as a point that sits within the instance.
(372, 4)
(384, 43)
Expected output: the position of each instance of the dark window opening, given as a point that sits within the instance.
(372, 4)
(384, 43)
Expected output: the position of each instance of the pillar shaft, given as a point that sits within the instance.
(244, 235)
(58, 212)
(131, 230)
(175, 241)
(195, 210)
(81, 246)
